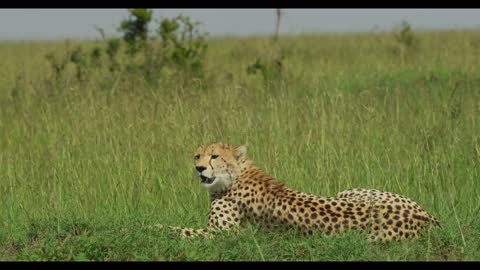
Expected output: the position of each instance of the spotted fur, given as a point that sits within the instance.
(241, 192)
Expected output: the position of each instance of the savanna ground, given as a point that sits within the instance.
(79, 161)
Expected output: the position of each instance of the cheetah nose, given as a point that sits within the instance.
(200, 168)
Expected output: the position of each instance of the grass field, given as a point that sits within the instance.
(81, 161)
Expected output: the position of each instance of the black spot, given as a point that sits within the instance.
(390, 222)
(290, 216)
(399, 223)
(418, 217)
(326, 219)
(313, 216)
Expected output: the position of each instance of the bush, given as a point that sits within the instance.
(179, 46)
(405, 36)
(183, 44)
(406, 42)
(135, 29)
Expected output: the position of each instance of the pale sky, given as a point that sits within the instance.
(80, 23)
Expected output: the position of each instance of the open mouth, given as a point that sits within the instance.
(206, 180)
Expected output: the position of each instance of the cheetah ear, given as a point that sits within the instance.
(240, 152)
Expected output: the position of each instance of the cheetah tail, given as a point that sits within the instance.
(435, 221)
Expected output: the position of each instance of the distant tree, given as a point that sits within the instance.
(277, 27)
(135, 28)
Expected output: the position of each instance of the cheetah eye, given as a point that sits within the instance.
(197, 156)
(214, 156)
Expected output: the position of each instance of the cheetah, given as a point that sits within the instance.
(241, 193)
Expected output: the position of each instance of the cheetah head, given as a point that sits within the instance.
(218, 165)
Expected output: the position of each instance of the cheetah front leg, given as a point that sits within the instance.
(223, 216)
(185, 232)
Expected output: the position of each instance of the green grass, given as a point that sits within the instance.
(80, 161)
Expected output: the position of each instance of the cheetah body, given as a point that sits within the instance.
(242, 193)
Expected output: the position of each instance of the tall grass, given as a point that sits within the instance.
(79, 161)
